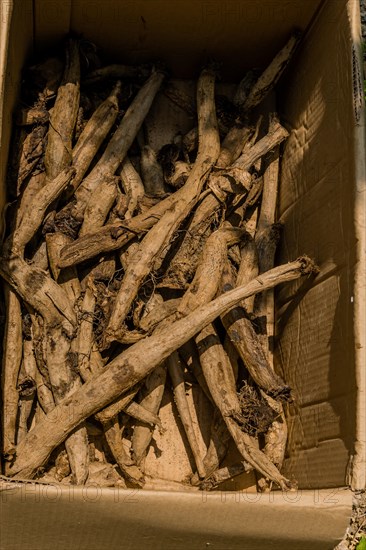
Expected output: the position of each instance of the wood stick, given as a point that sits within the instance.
(184, 264)
(128, 468)
(116, 235)
(267, 239)
(223, 389)
(91, 368)
(244, 88)
(248, 268)
(276, 134)
(66, 278)
(120, 142)
(33, 187)
(153, 389)
(95, 132)
(270, 191)
(99, 206)
(232, 145)
(179, 175)
(34, 213)
(44, 394)
(133, 365)
(219, 443)
(207, 278)
(39, 291)
(31, 153)
(133, 187)
(12, 357)
(112, 72)
(180, 398)
(152, 173)
(163, 230)
(189, 354)
(160, 312)
(58, 155)
(242, 334)
(272, 73)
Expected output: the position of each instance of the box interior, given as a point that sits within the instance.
(315, 348)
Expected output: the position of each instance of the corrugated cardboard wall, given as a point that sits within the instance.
(316, 350)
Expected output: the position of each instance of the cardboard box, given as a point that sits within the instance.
(321, 350)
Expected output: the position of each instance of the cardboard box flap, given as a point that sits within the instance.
(91, 518)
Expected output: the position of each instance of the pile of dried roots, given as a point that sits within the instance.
(133, 271)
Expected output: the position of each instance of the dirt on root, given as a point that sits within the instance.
(256, 415)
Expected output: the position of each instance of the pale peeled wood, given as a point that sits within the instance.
(58, 153)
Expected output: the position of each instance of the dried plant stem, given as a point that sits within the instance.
(232, 145)
(31, 190)
(89, 367)
(180, 398)
(66, 278)
(160, 312)
(93, 135)
(248, 268)
(59, 352)
(12, 357)
(39, 291)
(272, 73)
(128, 468)
(152, 173)
(58, 153)
(154, 389)
(99, 205)
(207, 278)
(218, 373)
(34, 213)
(133, 187)
(276, 134)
